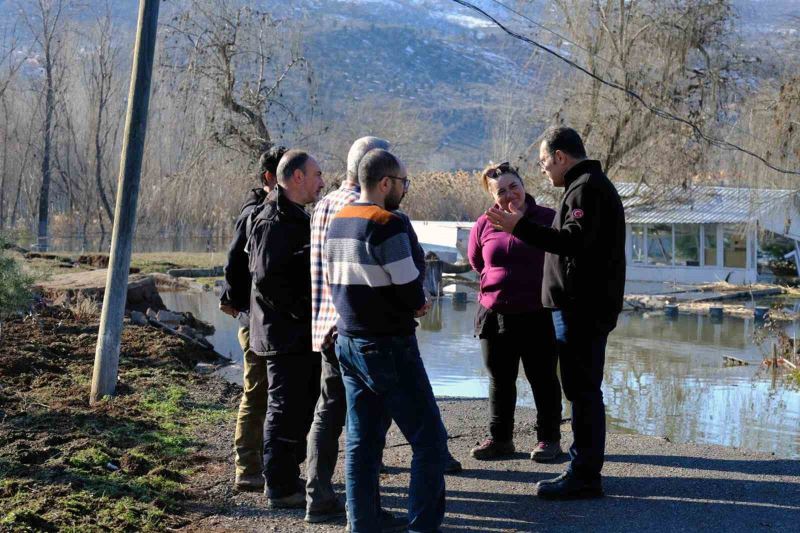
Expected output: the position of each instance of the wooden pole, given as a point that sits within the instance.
(106, 359)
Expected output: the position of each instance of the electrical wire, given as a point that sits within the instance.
(601, 58)
(713, 141)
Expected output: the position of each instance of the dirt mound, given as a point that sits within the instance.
(121, 465)
(95, 260)
(142, 289)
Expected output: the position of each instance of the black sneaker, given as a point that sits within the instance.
(568, 487)
(329, 511)
(452, 466)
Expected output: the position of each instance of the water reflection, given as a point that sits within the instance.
(663, 377)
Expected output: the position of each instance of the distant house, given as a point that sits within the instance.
(704, 235)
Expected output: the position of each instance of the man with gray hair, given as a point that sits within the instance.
(323, 440)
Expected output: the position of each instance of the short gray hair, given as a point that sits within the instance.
(358, 150)
(291, 161)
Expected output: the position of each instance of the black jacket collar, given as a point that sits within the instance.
(286, 206)
(587, 166)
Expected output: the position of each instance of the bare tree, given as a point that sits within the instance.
(99, 77)
(10, 63)
(244, 59)
(675, 54)
(44, 21)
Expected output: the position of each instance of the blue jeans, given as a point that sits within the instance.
(582, 354)
(384, 377)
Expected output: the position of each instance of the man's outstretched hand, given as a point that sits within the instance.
(504, 220)
(228, 310)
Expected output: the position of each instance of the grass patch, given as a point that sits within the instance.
(161, 262)
(41, 269)
(124, 464)
(89, 458)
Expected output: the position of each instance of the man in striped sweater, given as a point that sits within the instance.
(377, 291)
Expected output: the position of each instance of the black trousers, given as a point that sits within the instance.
(582, 351)
(505, 340)
(294, 381)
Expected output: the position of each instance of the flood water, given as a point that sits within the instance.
(662, 377)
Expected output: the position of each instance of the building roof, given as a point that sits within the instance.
(703, 204)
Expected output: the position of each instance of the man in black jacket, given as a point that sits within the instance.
(280, 321)
(584, 281)
(235, 301)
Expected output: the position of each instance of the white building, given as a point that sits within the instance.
(704, 235)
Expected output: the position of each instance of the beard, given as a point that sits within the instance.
(392, 201)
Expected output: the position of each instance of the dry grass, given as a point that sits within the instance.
(446, 196)
(84, 308)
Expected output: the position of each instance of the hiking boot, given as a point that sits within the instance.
(568, 487)
(546, 451)
(333, 509)
(389, 523)
(452, 466)
(248, 483)
(292, 501)
(491, 449)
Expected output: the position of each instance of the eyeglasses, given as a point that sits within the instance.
(406, 182)
(540, 163)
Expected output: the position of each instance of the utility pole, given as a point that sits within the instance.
(106, 359)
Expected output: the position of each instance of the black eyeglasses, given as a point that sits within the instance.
(406, 182)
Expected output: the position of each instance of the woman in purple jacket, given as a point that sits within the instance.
(511, 323)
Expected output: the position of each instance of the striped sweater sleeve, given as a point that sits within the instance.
(394, 254)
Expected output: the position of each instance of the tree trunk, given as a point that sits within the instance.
(44, 192)
(98, 165)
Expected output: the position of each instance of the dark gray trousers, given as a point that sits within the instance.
(323, 439)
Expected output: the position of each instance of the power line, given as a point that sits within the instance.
(602, 59)
(713, 141)
(554, 32)
(608, 62)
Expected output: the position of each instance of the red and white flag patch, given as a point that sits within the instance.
(577, 213)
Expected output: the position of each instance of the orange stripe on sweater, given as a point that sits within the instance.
(370, 212)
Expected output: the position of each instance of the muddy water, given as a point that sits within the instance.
(662, 377)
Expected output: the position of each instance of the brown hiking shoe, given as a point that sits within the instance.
(546, 451)
(292, 501)
(254, 482)
(491, 449)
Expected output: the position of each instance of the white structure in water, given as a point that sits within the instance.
(703, 235)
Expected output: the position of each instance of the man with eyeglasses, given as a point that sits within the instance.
(584, 282)
(377, 292)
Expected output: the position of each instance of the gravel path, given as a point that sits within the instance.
(651, 485)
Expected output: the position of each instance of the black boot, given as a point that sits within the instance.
(568, 487)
